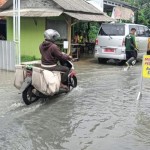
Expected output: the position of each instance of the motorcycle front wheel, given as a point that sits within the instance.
(28, 96)
(73, 81)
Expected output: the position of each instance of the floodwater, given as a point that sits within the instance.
(102, 113)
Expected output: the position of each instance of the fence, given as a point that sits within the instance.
(7, 55)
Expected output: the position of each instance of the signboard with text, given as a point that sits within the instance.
(146, 66)
(145, 72)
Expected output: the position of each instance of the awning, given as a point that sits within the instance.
(90, 17)
(34, 13)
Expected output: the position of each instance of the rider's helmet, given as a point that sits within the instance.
(51, 35)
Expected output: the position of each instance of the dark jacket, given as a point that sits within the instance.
(50, 53)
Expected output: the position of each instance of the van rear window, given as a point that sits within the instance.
(112, 29)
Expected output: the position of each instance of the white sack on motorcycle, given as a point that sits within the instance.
(47, 82)
(20, 75)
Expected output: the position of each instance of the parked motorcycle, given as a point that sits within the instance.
(30, 94)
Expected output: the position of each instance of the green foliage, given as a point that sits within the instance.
(143, 10)
(90, 29)
(25, 58)
(144, 13)
(94, 27)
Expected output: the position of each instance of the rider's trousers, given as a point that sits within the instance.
(64, 70)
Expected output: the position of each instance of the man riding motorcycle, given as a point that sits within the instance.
(51, 54)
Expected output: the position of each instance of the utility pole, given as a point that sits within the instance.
(16, 29)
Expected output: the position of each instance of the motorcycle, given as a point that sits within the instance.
(30, 94)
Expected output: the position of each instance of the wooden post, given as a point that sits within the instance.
(88, 29)
(69, 35)
(70, 23)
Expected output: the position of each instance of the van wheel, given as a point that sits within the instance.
(102, 60)
(120, 62)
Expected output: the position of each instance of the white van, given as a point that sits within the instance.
(110, 42)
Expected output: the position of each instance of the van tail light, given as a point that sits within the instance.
(123, 42)
(96, 42)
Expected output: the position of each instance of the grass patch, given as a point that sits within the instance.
(25, 58)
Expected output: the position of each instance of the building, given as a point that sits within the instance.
(120, 10)
(38, 15)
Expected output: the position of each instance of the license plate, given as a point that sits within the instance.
(109, 50)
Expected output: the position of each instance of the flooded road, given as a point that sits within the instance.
(102, 113)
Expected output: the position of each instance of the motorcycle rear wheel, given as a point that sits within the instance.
(28, 96)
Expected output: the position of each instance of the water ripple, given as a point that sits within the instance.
(100, 114)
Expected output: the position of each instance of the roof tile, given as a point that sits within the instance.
(77, 6)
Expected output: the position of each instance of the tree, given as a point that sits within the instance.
(143, 10)
(91, 29)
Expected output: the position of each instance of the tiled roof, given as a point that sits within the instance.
(77, 6)
(78, 9)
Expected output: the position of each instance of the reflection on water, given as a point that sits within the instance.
(100, 114)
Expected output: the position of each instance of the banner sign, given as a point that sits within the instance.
(146, 66)
(122, 13)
